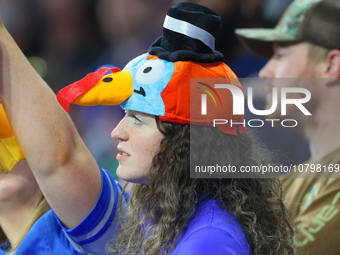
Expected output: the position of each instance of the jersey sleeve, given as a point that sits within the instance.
(102, 224)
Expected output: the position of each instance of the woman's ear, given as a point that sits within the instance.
(333, 64)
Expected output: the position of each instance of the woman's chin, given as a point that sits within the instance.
(127, 176)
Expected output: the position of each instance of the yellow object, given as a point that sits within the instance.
(10, 151)
(112, 89)
(5, 128)
(10, 154)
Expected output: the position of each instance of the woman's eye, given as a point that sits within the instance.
(137, 121)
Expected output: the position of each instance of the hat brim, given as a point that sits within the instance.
(260, 40)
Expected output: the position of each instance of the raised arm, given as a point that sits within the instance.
(65, 170)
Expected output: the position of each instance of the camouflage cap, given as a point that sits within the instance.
(260, 40)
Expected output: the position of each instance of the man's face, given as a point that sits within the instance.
(290, 67)
(288, 61)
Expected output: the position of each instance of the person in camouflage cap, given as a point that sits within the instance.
(291, 27)
(306, 44)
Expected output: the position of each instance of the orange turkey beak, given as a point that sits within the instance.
(98, 89)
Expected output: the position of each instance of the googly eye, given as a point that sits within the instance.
(107, 79)
(150, 72)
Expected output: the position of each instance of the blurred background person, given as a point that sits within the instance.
(21, 200)
(21, 205)
(306, 44)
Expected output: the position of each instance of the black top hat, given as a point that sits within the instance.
(189, 33)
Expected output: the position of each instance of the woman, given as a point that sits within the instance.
(186, 215)
(168, 212)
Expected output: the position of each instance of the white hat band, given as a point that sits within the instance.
(190, 30)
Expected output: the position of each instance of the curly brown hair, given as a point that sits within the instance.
(159, 213)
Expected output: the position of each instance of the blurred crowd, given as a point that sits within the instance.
(64, 40)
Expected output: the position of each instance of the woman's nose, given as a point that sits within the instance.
(120, 131)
